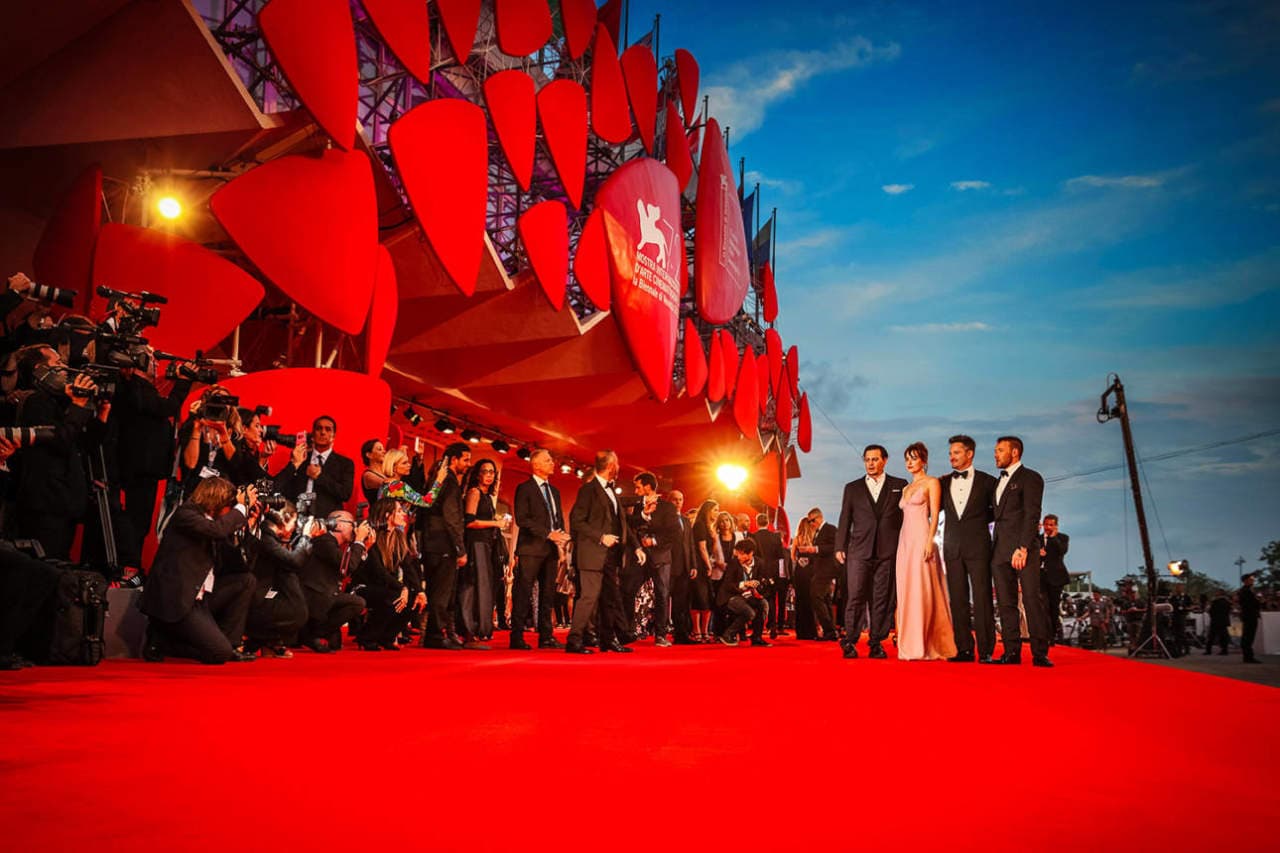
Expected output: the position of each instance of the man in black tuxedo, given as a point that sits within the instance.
(740, 596)
(326, 473)
(682, 564)
(180, 586)
(968, 496)
(867, 545)
(657, 527)
(1053, 573)
(336, 550)
(540, 521)
(1015, 557)
(822, 564)
(769, 556)
(600, 537)
(441, 530)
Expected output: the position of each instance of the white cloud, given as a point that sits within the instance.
(937, 328)
(898, 189)
(1124, 181)
(783, 186)
(914, 148)
(964, 186)
(741, 94)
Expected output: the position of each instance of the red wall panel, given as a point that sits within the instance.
(544, 233)
(591, 262)
(315, 44)
(512, 99)
(523, 25)
(562, 106)
(382, 314)
(406, 29)
(640, 70)
(460, 18)
(610, 115)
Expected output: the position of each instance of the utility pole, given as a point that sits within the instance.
(1240, 563)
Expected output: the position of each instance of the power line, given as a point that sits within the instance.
(1173, 454)
(814, 400)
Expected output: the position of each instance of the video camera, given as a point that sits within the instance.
(27, 436)
(204, 372)
(219, 407)
(116, 349)
(136, 316)
(55, 380)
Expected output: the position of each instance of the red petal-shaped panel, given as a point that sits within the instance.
(359, 403)
(208, 295)
(441, 150)
(804, 431)
(406, 28)
(544, 232)
(460, 18)
(382, 314)
(793, 370)
(641, 205)
(762, 380)
(730, 351)
(746, 402)
(770, 293)
(695, 360)
(687, 80)
(311, 225)
(773, 350)
(720, 244)
(578, 17)
(783, 411)
(610, 14)
(64, 256)
(715, 370)
(610, 116)
(640, 70)
(678, 159)
(512, 99)
(315, 44)
(562, 104)
(523, 25)
(591, 263)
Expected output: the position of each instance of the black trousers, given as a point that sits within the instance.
(528, 570)
(741, 609)
(871, 582)
(1249, 630)
(327, 614)
(777, 602)
(969, 587)
(599, 603)
(210, 630)
(279, 618)
(383, 624)
(805, 628)
(1217, 635)
(820, 598)
(139, 508)
(1052, 602)
(681, 621)
(54, 532)
(1007, 580)
(442, 578)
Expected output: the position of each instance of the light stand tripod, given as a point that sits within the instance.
(1153, 644)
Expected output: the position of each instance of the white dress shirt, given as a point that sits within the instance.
(317, 458)
(960, 489)
(1004, 480)
(875, 484)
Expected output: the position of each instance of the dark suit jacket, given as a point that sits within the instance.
(533, 521)
(684, 558)
(1250, 607)
(769, 551)
(184, 560)
(321, 574)
(443, 525)
(733, 575)
(1055, 570)
(51, 476)
(592, 517)
(333, 487)
(145, 443)
(1017, 518)
(868, 530)
(663, 526)
(969, 537)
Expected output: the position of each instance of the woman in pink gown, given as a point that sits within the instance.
(924, 615)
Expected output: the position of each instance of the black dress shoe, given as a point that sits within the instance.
(962, 657)
(616, 646)
(375, 647)
(986, 659)
(760, 641)
(578, 649)
(877, 651)
(1010, 660)
(518, 644)
(850, 652)
(549, 643)
(241, 656)
(1042, 660)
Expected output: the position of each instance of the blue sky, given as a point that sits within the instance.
(985, 208)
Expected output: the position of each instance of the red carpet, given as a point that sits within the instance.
(705, 748)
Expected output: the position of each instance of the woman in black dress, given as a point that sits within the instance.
(389, 579)
(372, 452)
(475, 579)
(704, 545)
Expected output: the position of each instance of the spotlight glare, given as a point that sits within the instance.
(169, 207)
(733, 476)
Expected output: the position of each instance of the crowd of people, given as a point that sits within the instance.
(253, 561)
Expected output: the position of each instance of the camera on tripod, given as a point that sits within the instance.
(27, 436)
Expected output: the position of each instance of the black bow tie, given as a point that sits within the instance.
(610, 485)
(963, 475)
(1004, 474)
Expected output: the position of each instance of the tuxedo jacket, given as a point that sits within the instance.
(183, 561)
(333, 487)
(534, 521)
(768, 552)
(321, 574)
(1055, 570)
(592, 517)
(733, 575)
(868, 529)
(968, 536)
(443, 525)
(663, 525)
(1017, 518)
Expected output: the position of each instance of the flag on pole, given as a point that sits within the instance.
(762, 246)
(748, 214)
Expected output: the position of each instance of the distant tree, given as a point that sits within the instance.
(1269, 574)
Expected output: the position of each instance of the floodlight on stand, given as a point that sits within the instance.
(524, 453)
(1178, 568)
(471, 436)
(733, 476)
(446, 426)
(500, 446)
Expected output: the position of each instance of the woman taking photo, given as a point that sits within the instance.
(483, 538)
(396, 466)
(389, 579)
(704, 544)
(279, 608)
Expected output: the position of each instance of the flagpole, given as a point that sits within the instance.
(657, 30)
(773, 239)
(626, 23)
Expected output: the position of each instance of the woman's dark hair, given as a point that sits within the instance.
(366, 450)
(392, 544)
(476, 473)
(918, 450)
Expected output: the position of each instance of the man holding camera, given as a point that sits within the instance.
(742, 596)
(327, 474)
(187, 618)
(338, 546)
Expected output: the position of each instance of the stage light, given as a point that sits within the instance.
(1178, 568)
(566, 468)
(578, 472)
(411, 415)
(524, 453)
(169, 207)
(471, 436)
(446, 426)
(499, 446)
(732, 476)
(393, 408)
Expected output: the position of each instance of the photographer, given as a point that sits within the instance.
(279, 607)
(206, 440)
(194, 614)
(324, 472)
(742, 597)
(389, 579)
(337, 549)
(51, 484)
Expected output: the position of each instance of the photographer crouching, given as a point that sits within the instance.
(279, 608)
(336, 551)
(192, 614)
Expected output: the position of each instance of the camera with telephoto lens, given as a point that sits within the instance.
(121, 350)
(276, 433)
(27, 436)
(219, 407)
(203, 372)
(52, 295)
(270, 499)
(57, 380)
